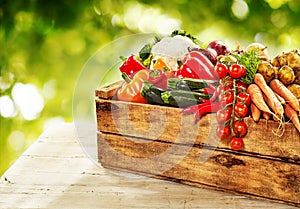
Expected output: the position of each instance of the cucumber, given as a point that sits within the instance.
(182, 98)
(188, 84)
(152, 93)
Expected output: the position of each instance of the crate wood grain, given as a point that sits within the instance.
(160, 142)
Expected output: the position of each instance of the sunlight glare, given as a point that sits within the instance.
(7, 107)
(16, 140)
(147, 19)
(28, 100)
(6, 80)
(49, 89)
(240, 9)
(275, 4)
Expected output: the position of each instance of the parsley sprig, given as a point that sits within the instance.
(250, 60)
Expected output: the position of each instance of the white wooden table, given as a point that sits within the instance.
(55, 173)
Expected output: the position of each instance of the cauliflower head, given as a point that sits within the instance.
(172, 48)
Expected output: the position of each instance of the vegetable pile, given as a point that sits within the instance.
(178, 71)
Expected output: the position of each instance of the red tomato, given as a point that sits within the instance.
(244, 98)
(236, 143)
(237, 71)
(240, 110)
(221, 70)
(240, 128)
(241, 87)
(223, 132)
(227, 98)
(224, 115)
(227, 83)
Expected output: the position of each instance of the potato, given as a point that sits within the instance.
(293, 59)
(267, 70)
(280, 60)
(286, 75)
(297, 76)
(295, 89)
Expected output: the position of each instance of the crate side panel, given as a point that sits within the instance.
(168, 124)
(236, 172)
(153, 122)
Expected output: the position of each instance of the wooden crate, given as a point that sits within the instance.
(162, 143)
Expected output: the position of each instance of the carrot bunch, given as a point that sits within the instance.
(273, 100)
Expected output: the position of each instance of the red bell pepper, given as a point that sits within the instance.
(131, 65)
(194, 68)
(158, 78)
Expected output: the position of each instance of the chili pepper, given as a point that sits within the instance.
(212, 86)
(207, 90)
(206, 108)
(131, 65)
(194, 108)
(158, 78)
(130, 91)
(217, 92)
(203, 100)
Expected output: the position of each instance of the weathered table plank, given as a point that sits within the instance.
(55, 173)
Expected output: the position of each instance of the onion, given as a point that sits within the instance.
(260, 48)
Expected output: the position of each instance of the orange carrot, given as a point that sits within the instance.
(266, 115)
(269, 102)
(278, 87)
(257, 98)
(273, 102)
(255, 112)
(280, 98)
(292, 115)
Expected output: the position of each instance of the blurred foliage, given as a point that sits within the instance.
(46, 43)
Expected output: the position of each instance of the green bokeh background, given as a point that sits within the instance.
(46, 44)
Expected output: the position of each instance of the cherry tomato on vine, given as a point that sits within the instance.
(244, 98)
(240, 128)
(237, 71)
(224, 115)
(236, 143)
(221, 70)
(227, 98)
(227, 83)
(241, 87)
(223, 132)
(240, 110)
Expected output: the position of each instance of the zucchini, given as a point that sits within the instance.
(188, 84)
(152, 93)
(182, 98)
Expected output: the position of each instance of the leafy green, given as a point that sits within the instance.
(184, 33)
(250, 60)
(145, 54)
(145, 51)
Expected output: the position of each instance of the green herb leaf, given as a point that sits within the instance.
(145, 55)
(184, 33)
(250, 60)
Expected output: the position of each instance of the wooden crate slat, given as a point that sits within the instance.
(109, 90)
(224, 170)
(168, 124)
